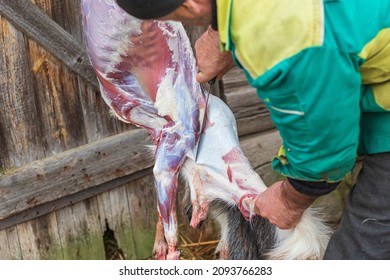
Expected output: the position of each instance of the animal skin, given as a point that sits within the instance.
(146, 71)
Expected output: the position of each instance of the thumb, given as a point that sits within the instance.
(202, 78)
(258, 205)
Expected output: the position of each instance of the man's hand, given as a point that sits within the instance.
(211, 62)
(282, 205)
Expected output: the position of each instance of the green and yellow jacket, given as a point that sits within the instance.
(322, 67)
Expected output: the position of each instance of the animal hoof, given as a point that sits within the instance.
(160, 250)
(173, 255)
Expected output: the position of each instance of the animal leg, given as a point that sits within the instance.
(200, 203)
(170, 156)
(223, 248)
(160, 247)
(166, 187)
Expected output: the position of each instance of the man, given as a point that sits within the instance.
(322, 67)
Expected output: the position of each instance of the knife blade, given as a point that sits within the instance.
(211, 83)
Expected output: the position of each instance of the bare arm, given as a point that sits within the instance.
(282, 205)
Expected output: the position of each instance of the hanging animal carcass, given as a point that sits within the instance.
(146, 70)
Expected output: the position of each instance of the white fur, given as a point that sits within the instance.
(308, 240)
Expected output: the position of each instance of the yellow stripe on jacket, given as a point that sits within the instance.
(376, 68)
(282, 29)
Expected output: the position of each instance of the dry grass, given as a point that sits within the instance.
(197, 249)
(196, 244)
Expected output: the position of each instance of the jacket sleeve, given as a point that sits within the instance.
(314, 101)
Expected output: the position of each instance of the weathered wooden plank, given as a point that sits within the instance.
(254, 124)
(72, 171)
(4, 250)
(39, 238)
(40, 108)
(28, 245)
(244, 102)
(235, 78)
(40, 27)
(261, 148)
(20, 141)
(251, 113)
(73, 176)
(14, 248)
(80, 231)
(58, 102)
(143, 210)
(67, 14)
(61, 202)
(114, 208)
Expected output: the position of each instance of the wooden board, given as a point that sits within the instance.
(14, 249)
(4, 249)
(251, 114)
(19, 131)
(114, 211)
(73, 171)
(143, 208)
(76, 232)
(27, 17)
(261, 148)
(80, 231)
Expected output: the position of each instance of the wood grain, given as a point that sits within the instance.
(251, 114)
(20, 139)
(27, 17)
(73, 171)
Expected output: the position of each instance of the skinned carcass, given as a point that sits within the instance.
(146, 70)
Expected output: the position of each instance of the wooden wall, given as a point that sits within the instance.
(53, 134)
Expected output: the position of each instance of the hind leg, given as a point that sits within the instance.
(170, 155)
(223, 248)
(160, 247)
(195, 193)
(166, 186)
